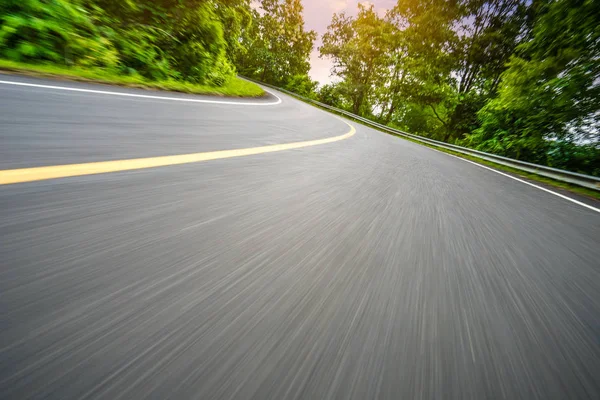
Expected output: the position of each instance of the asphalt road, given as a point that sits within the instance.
(368, 268)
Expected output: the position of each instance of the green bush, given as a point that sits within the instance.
(53, 30)
(222, 72)
(179, 40)
(138, 53)
(302, 85)
(199, 46)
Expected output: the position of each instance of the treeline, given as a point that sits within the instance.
(197, 41)
(276, 45)
(518, 78)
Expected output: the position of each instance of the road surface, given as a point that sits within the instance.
(365, 268)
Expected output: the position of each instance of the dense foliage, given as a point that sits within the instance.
(157, 39)
(277, 46)
(59, 31)
(198, 41)
(549, 96)
(515, 77)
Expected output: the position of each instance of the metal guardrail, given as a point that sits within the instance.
(588, 181)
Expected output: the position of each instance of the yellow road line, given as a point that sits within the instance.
(11, 176)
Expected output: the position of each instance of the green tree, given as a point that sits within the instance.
(278, 46)
(454, 55)
(491, 30)
(56, 31)
(158, 39)
(302, 85)
(236, 17)
(357, 48)
(334, 94)
(444, 58)
(550, 92)
(185, 36)
(393, 87)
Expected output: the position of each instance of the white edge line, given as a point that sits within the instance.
(501, 173)
(512, 177)
(144, 96)
(523, 181)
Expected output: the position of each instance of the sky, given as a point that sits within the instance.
(317, 16)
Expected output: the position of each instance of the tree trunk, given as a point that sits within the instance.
(262, 77)
(358, 103)
(390, 112)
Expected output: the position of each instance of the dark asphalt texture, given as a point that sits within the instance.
(369, 268)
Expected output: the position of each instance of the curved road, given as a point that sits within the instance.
(365, 268)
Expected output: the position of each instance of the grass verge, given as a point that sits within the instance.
(236, 87)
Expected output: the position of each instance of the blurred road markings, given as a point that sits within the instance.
(144, 96)
(21, 175)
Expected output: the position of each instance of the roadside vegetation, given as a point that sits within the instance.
(166, 44)
(518, 78)
(195, 46)
(235, 87)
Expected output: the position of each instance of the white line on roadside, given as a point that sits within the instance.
(144, 96)
(525, 182)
